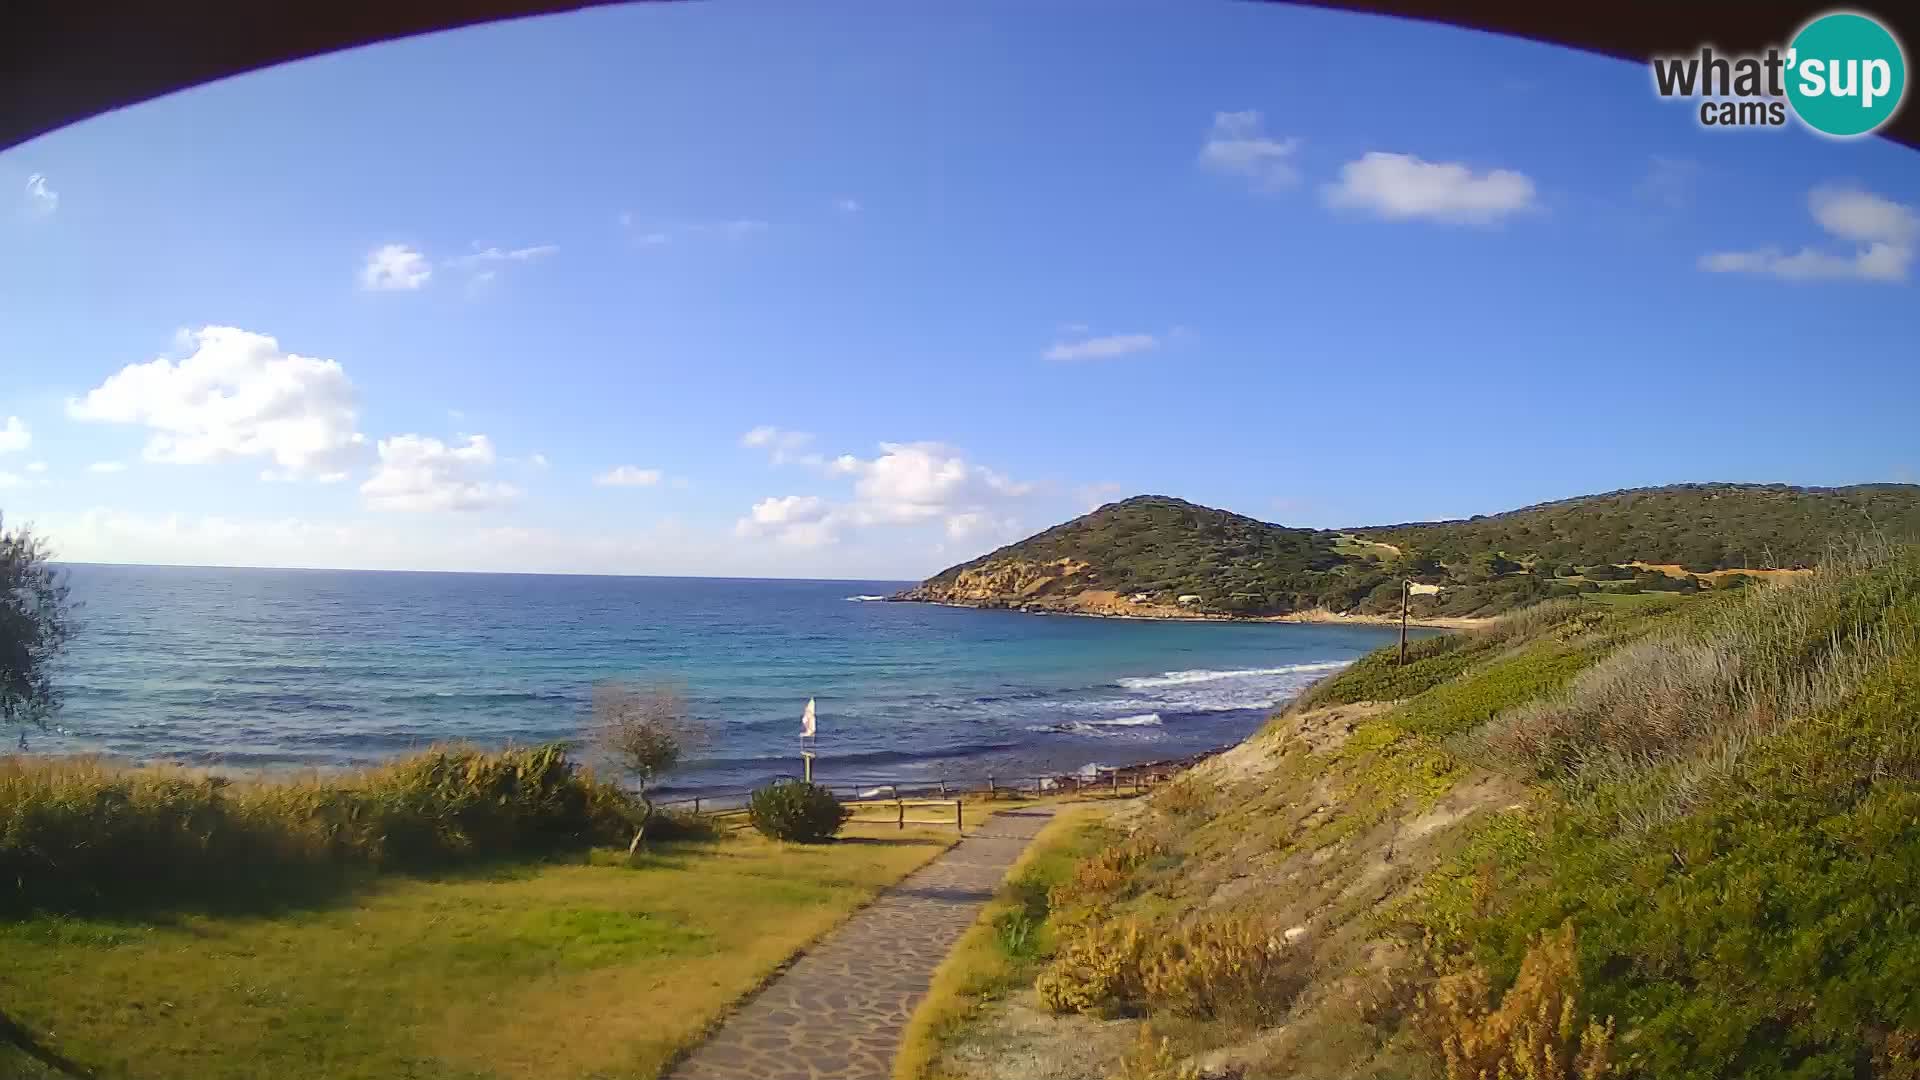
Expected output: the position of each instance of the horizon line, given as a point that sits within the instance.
(477, 573)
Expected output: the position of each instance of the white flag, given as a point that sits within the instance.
(806, 721)
(1417, 589)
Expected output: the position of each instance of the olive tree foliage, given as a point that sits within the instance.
(35, 623)
(644, 732)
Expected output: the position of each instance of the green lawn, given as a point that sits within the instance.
(585, 968)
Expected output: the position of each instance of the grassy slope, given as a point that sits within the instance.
(1721, 797)
(531, 969)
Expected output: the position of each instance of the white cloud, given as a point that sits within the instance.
(1238, 145)
(107, 467)
(848, 206)
(421, 473)
(1102, 348)
(538, 461)
(795, 520)
(37, 467)
(395, 267)
(628, 476)
(8, 480)
(1883, 232)
(1853, 214)
(783, 447)
(41, 199)
(14, 436)
(237, 395)
(921, 483)
(1401, 187)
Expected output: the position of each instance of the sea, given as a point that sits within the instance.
(253, 669)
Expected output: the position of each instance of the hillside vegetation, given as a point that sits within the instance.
(1155, 555)
(1680, 841)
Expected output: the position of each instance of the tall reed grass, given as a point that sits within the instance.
(81, 832)
(1676, 712)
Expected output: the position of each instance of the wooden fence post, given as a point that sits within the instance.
(959, 821)
(696, 806)
(991, 794)
(1114, 778)
(902, 807)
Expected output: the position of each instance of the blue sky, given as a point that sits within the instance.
(850, 292)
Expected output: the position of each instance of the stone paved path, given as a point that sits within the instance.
(837, 1013)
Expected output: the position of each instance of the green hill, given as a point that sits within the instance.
(1700, 527)
(1157, 555)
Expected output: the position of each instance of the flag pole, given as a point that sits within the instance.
(806, 742)
(1405, 587)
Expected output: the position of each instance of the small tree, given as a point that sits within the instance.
(35, 623)
(644, 731)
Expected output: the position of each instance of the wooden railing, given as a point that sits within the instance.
(900, 793)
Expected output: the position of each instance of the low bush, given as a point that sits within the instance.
(1223, 966)
(1097, 968)
(82, 833)
(1534, 1033)
(797, 812)
(1099, 878)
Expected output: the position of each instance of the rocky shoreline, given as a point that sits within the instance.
(1103, 608)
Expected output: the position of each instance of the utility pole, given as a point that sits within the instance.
(1405, 585)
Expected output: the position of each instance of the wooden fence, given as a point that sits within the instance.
(899, 794)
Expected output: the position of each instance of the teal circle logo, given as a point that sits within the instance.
(1846, 74)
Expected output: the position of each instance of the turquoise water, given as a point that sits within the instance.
(254, 668)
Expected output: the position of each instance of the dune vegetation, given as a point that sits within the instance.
(1673, 841)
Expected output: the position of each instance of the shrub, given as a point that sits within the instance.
(1099, 878)
(797, 812)
(1223, 967)
(78, 833)
(1096, 968)
(1534, 1034)
(644, 732)
(35, 623)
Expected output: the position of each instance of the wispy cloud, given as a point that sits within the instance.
(1238, 145)
(1883, 233)
(107, 467)
(1402, 187)
(783, 446)
(481, 258)
(657, 234)
(628, 476)
(42, 200)
(1102, 348)
(1670, 183)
